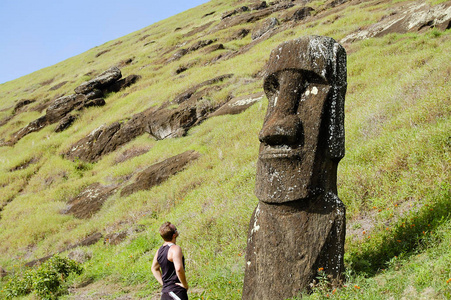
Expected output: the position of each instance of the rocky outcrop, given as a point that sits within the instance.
(25, 164)
(58, 110)
(86, 95)
(107, 138)
(66, 122)
(182, 97)
(57, 86)
(237, 105)
(122, 83)
(242, 19)
(264, 27)
(89, 201)
(334, 3)
(196, 46)
(131, 153)
(213, 48)
(170, 123)
(196, 30)
(200, 44)
(228, 14)
(259, 6)
(21, 104)
(301, 14)
(259, 12)
(4, 121)
(163, 122)
(101, 82)
(411, 17)
(115, 238)
(160, 172)
(237, 35)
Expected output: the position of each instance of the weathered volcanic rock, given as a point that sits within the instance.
(242, 19)
(5, 120)
(175, 122)
(57, 110)
(198, 29)
(237, 105)
(87, 94)
(260, 6)
(106, 139)
(160, 172)
(334, 3)
(172, 123)
(228, 14)
(89, 201)
(411, 17)
(115, 238)
(100, 82)
(163, 122)
(65, 123)
(21, 104)
(200, 44)
(57, 86)
(62, 106)
(123, 83)
(297, 239)
(298, 225)
(301, 13)
(213, 48)
(127, 61)
(188, 93)
(264, 27)
(178, 54)
(33, 126)
(242, 33)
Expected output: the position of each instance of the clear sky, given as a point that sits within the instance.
(35, 34)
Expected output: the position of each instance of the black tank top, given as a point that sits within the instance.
(168, 270)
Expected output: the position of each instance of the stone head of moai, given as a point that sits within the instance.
(302, 139)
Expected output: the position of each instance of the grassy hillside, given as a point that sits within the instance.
(394, 180)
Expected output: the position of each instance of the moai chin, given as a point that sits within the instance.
(298, 226)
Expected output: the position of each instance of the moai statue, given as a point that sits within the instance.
(298, 226)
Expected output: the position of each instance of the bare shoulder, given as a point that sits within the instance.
(174, 252)
(175, 249)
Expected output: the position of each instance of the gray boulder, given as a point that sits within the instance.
(100, 82)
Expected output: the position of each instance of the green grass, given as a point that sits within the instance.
(394, 178)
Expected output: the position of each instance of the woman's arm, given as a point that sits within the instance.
(156, 269)
(177, 258)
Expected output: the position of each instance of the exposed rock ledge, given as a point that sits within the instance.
(88, 94)
(412, 17)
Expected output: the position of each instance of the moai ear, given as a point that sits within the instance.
(336, 137)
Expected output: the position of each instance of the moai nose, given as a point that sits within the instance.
(283, 125)
(282, 131)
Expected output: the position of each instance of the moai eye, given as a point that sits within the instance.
(271, 85)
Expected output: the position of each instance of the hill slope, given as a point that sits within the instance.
(395, 177)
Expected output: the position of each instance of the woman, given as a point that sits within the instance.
(168, 265)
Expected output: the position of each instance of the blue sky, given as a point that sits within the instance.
(35, 34)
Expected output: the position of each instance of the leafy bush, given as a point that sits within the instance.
(46, 281)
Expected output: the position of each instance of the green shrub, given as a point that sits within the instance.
(47, 281)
